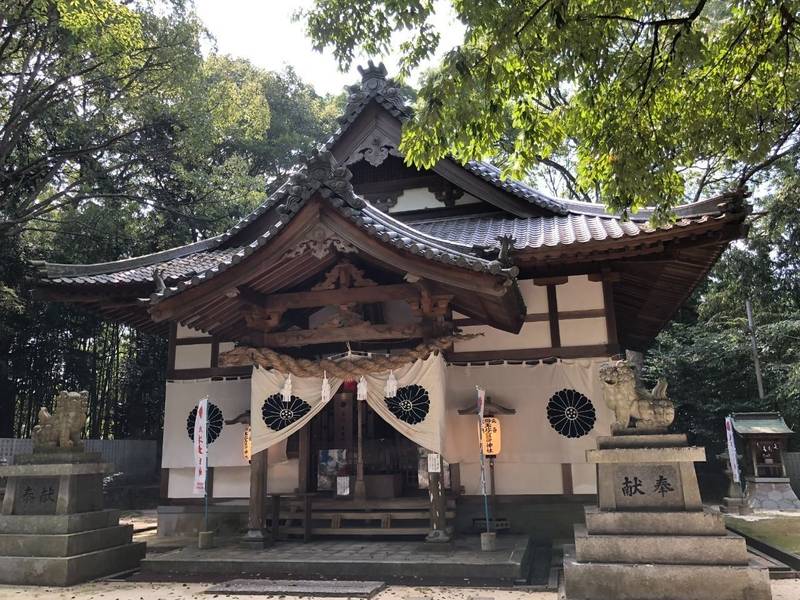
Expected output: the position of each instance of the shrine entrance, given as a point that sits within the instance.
(377, 462)
(362, 476)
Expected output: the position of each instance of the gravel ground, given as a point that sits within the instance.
(194, 591)
(786, 589)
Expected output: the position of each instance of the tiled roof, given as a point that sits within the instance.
(322, 174)
(174, 269)
(375, 85)
(537, 232)
(488, 172)
(451, 241)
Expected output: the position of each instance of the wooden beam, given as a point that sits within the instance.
(589, 313)
(337, 297)
(210, 372)
(353, 333)
(555, 280)
(610, 313)
(552, 310)
(194, 340)
(534, 353)
(566, 479)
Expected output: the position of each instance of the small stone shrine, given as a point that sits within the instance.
(53, 527)
(764, 436)
(650, 537)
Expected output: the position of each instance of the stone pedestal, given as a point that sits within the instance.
(53, 528)
(770, 493)
(650, 538)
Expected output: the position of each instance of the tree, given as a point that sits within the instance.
(196, 164)
(632, 103)
(705, 354)
(79, 80)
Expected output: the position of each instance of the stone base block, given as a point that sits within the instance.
(669, 440)
(771, 494)
(57, 456)
(610, 581)
(59, 524)
(693, 523)
(735, 506)
(62, 571)
(660, 549)
(179, 520)
(67, 544)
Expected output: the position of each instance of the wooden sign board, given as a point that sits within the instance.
(490, 436)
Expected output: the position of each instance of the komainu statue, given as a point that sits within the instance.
(62, 429)
(631, 402)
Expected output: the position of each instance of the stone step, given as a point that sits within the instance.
(606, 581)
(56, 524)
(65, 544)
(727, 549)
(69, 570)
(653, 522)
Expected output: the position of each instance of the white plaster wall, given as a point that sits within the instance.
(231, 396)
(421, 198)
(532, 451)
(185, 332)
(535, 296)
(515, 478)
(193, 356)
(579, 294)
(583, 332)
(232, 482)
(226, 453)
(535, 334)
(181, 482)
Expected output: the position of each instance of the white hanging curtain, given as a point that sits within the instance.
(272, 419)
(418, 408)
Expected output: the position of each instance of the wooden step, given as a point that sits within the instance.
(365, 516)
(358, 530)
(369, 504)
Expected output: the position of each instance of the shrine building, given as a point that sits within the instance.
(363, 278)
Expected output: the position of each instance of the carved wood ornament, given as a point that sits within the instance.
(345, 287)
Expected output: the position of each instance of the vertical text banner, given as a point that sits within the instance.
(732, 449)
(200, 448)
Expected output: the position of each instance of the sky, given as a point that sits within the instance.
(263, 32)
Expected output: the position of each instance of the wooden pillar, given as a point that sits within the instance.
(256, 536)
(439, 531)
(307, 515)
(360, 488)
(275, 519)
(304, 459)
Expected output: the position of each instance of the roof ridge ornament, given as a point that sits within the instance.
(372, 74)
(374, 84)
(320, 172)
